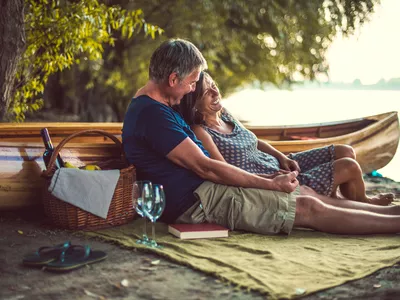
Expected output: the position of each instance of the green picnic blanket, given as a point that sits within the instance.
(281, 266)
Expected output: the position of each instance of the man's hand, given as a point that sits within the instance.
(289, 164)
(286, 183)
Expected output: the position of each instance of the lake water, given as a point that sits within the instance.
(306, 106)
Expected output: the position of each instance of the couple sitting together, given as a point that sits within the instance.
(214, 170)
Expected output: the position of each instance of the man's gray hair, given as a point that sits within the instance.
(175, 55)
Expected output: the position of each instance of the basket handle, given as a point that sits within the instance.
(49, 172)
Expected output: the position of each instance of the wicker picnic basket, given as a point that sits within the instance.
(68, 216)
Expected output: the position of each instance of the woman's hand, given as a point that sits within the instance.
(289, 164)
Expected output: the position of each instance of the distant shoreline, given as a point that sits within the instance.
(392, 84)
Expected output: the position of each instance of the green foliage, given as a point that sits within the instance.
(274, 41)
(63, 33)
(264, 41)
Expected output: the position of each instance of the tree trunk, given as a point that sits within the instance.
(12, 41)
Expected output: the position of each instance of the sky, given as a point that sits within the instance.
(373, 52)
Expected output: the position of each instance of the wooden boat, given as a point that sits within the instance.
(374, 139)
(30, 132)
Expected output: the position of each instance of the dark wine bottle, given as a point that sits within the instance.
(49, 149)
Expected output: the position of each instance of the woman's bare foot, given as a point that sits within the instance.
(383, 199)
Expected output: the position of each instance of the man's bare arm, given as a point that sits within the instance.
(188, 155)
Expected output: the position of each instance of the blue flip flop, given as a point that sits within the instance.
(74, 257)
(45, 255)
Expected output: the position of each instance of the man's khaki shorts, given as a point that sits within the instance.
(248, 209)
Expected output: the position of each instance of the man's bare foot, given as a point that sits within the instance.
(383, 199)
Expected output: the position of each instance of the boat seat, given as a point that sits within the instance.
(301, 138)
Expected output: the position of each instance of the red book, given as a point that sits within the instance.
(197, 231)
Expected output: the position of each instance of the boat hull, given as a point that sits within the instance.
(374, 145)
(21, 165)
(375, 140)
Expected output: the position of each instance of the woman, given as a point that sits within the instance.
(322, 169)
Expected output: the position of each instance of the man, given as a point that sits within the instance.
(165, 150)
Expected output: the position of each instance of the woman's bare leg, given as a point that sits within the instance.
(342, 151)
(348, 176)
(315, 214)
(350, 204)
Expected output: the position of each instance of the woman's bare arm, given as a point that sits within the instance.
(285, 162)
(267, 148)
(261, 145)
(208, 142)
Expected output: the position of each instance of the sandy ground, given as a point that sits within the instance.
(129, 274)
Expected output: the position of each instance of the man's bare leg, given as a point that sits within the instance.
(350, 204)
(315, 214)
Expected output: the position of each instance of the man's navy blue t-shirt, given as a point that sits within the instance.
(150, 131)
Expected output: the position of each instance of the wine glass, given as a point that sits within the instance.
(142, 191)
(154, 210)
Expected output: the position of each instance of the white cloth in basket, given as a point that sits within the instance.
(91, 191)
